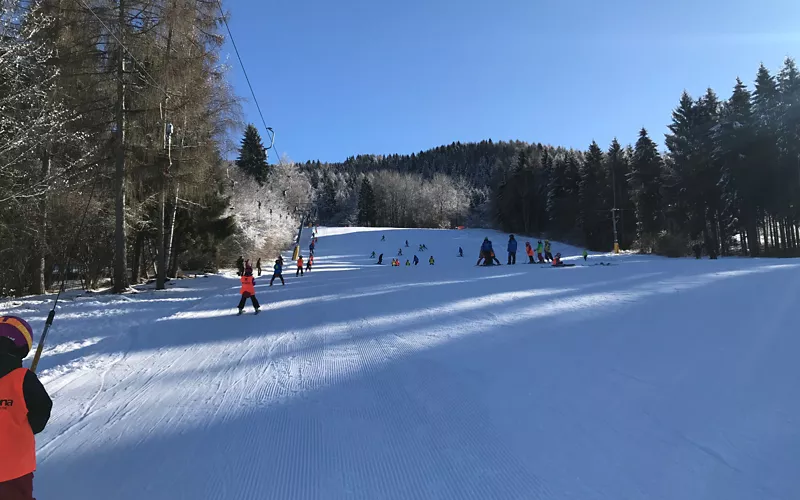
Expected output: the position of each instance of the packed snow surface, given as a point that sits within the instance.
(651, 378)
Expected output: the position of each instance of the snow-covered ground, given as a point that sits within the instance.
(651, 378)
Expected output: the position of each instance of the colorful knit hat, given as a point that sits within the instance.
(18, 330)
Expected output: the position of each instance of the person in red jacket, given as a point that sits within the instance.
(24, 410)
(248, 290)
(299, 266)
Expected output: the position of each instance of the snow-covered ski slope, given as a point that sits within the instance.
(649, 379)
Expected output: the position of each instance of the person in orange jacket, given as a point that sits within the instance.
(248, 290)
(299, 266)
(529, 251)
(24, 410)
(310, 263)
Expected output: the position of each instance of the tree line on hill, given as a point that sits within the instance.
(729, 181)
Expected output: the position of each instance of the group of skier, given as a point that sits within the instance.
(396, 261)
(245, 270)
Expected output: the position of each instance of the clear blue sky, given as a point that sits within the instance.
(338, 78)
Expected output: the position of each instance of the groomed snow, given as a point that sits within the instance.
(651, 378)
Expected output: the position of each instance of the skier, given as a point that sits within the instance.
(277, 272)
(310, 262)
(299, 266)
(408, 263)
(240, 266)
(484, 254)
(399, 252)
(258, 266)
(539, 252)
(248, 290)
(557, 261)
(406, 243)
(512, 250)
(416, 260)
(529, 251)
(380, 259)
(311, 248)
(585, 255)
(424, 247)
(460, 252)
(373, 255)
(28, 414)
(547, 255)
(420, 248)
(430, 261)
(383, 237)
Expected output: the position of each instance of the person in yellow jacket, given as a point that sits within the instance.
(430, 261)
(248, 290)
(24, 410)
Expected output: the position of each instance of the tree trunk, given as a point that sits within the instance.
(743, 241)
(38, 286)
(136, 265)
(120, 233)
(781, 226)
(171, 230)
(752, 238)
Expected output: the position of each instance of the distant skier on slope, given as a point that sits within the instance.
(383, 237)
(248, 290)
(430, 261)
(512, 250)
(240, 266)
(460, 252)
(547, 255)
(27, 416)
(585, 255)
(380, 259)
(529, 251)
(310, 263)
(399, 252)
(416, 260)
(406, 243)
(372, 256)
(258, 266)
(277, 272)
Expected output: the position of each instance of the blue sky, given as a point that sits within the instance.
(339, 78)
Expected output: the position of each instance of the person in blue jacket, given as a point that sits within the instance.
(512, 250)
(416, 260)
(311, 248)
(277, 272)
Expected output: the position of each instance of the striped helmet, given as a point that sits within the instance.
(18, 330)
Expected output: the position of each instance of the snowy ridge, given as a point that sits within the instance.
(653, 378)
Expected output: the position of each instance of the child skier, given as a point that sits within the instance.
(529, 251)
(406, 243)
(539, 252)
(430, 261)
(24, 413)
(547, 255)
(383, 237)
(512, 250)
(399, 252)
(585, 254)
(380, 259)
(408, 262)
(311, 248)
(416, 260)
(299, 266)
(460, 252)
(372, 256)
(277, 272)
(310, 262)
(248, 290)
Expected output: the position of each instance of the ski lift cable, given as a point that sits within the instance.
(153, 81)
(270, 132)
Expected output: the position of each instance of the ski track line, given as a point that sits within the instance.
(90, 405)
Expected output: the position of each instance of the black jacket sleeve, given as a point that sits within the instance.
(38, 402)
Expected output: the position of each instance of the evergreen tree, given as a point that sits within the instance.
(645, 181)
(252, 155)
(735, 139)
(592, 199)
(366, 204)
(618, 171)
